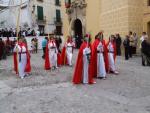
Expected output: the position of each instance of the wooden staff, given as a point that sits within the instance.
(48, 36)
(65, 57)
(18, 21)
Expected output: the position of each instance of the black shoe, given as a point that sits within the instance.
(100, 77)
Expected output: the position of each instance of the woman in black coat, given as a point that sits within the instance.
(126, 47)
(145, 52)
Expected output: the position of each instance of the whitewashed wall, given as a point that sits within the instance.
(9, 16)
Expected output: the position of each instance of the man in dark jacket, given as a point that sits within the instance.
(58, 43)
(1, 48)
(145, 52)
(118, 44)
(126, 47)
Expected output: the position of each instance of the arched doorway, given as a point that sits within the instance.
(78, 32)
(148, 28)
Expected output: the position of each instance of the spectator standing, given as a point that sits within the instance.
(1, 48)
(126, 47)
(58, 43)
(135, 38)
(131, 43)
(32, 46)
(44, 43)
(29, 32)
(36, 45)
(118, 44)
(8, 46)
(145, 52)
(0, 32)
(37, 33)
(13, 43)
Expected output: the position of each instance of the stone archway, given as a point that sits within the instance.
(78, 33)
(77, 20)
(148, 28)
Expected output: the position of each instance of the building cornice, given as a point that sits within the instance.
(76, 4)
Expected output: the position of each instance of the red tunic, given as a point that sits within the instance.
(78, 73)
(59, 59)
(47, 61)
(64, 56)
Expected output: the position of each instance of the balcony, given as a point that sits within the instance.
(40, 0)
(41, 21)
(58, 21)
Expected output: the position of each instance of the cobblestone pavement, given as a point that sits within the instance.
(53, 92)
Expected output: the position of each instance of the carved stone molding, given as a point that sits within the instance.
(77, 10)
(81, 4)
(78, 3)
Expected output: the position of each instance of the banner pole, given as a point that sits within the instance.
(17, 33)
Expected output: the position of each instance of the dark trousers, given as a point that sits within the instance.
(134, 50)
(44, 50)
(36, 48)
(118, 51)
(126, 53)
(145, 60)
(130, 51)
(1, 56)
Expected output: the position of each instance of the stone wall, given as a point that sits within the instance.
(114, 17)
(117, 16)
(146, 17)
(135, 16)
(92, 17)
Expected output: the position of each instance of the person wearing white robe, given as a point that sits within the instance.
(111, 50)
(69, 52)
(82, 73)
(101, 71)
(53, 54)
(86, 56)
(22, 59)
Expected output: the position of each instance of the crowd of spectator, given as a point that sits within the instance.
(130, 45)
(6, 47)
(22, 32)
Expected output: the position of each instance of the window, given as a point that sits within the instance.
(68, 1)
(40, 15)
(57, 2)
(58, 15)
(40, 0)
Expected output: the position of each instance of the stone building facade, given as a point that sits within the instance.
(47, 15)
(111, 16)
(44, 15)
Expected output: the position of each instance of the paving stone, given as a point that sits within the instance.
(53, 92)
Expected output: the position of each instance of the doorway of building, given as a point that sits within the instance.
(78, 32)
(148, 28)
(41, 29)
